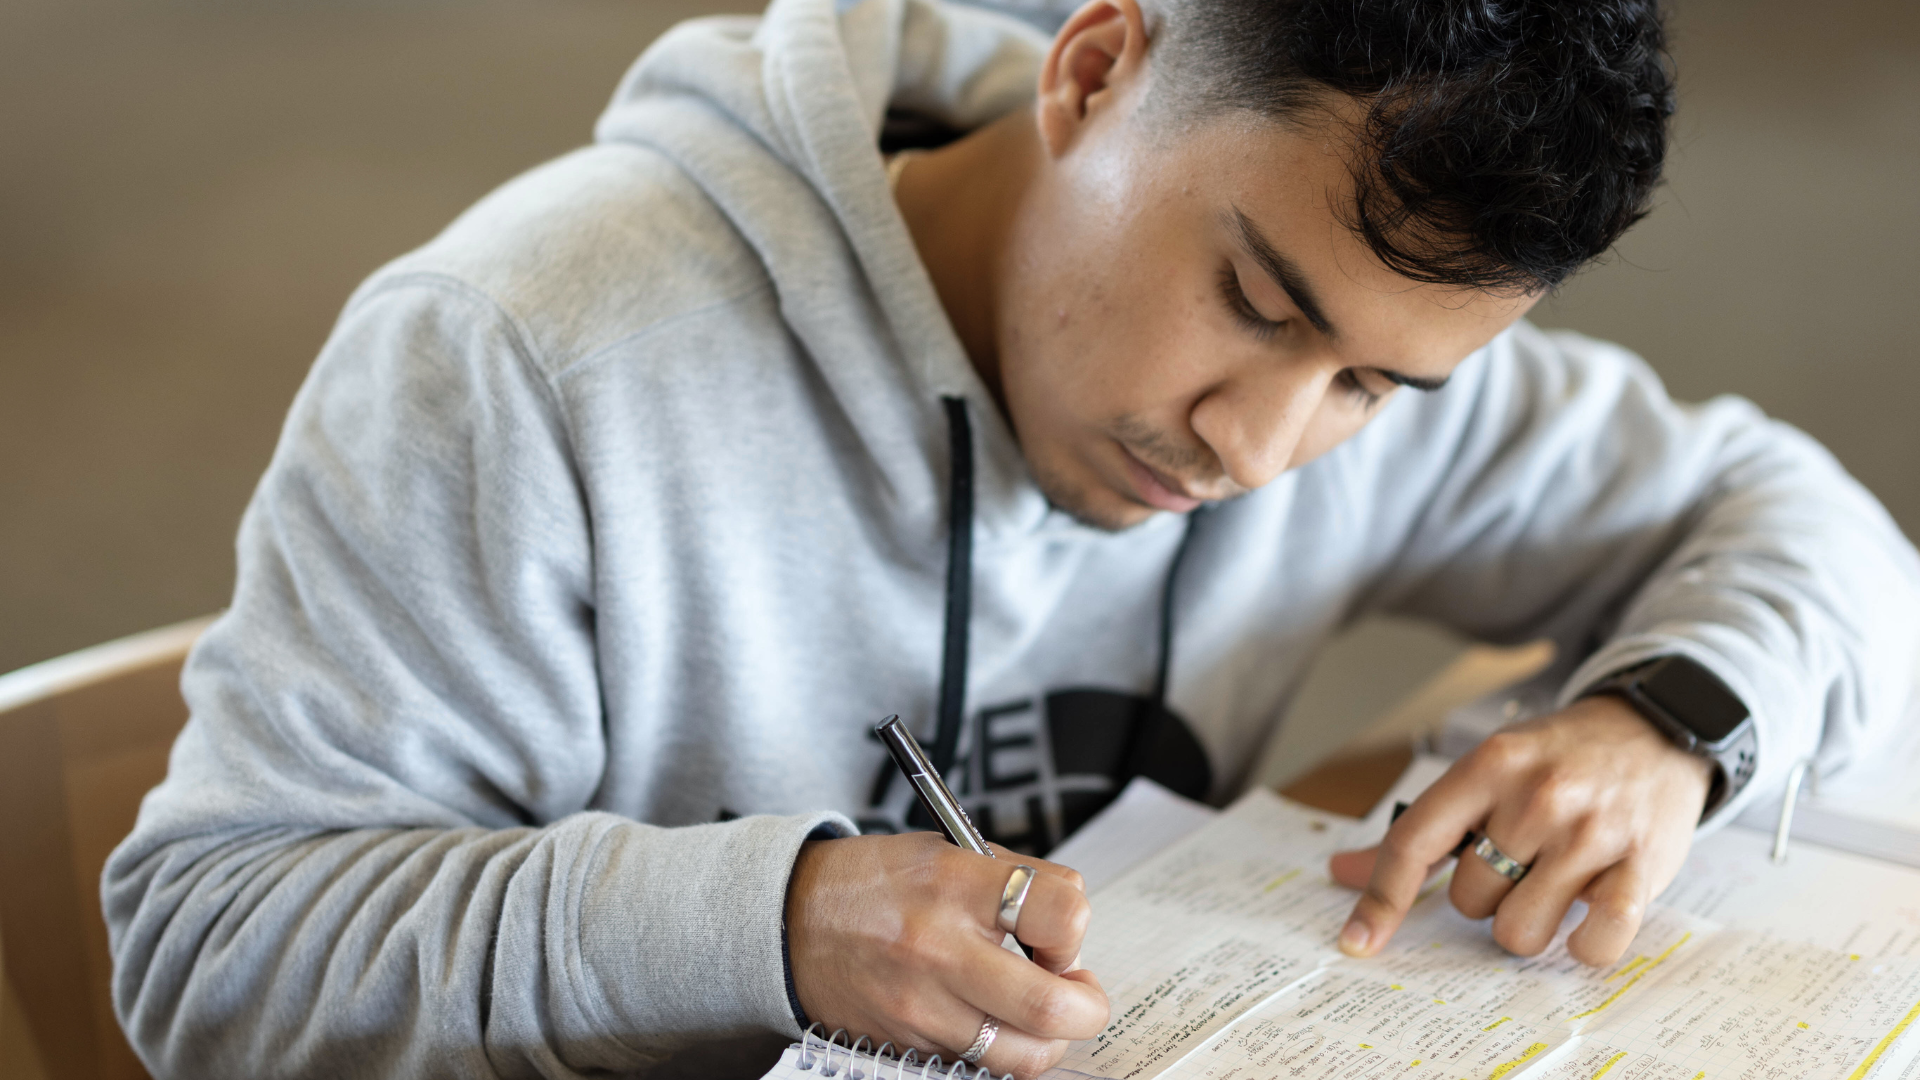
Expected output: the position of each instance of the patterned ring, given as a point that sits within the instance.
(989, 1030)
(1502, 864)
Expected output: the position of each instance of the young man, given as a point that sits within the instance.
(609, 523)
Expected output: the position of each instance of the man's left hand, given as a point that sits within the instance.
(1595, 800)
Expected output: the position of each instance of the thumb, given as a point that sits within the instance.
(1353, 868)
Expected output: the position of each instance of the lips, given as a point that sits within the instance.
(1157, 491)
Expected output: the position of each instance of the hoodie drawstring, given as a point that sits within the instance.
(953, 649)
(953, 665)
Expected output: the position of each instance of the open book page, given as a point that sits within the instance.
(1219, 956)
(1688, 1000)
(1143, 819)
(1749, 1005)
(1198, 934)
(1441, 1002)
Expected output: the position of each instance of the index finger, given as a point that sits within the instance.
(1423, 836)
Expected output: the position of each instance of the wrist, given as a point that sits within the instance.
(798, 882)
(1688, 705)
(1607, 720)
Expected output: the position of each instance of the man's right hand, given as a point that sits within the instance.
(897, 937)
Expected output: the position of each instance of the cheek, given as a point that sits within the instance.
(1094, 295)
(1082, 345)
(1053, 347)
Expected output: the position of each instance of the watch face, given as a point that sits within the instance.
(1692, 695)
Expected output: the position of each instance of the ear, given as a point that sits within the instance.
(1101, 51)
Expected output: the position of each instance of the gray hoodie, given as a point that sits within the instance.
(608, 523)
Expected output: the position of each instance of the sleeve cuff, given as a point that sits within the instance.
(682, 931)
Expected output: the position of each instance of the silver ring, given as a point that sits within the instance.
(1014, 896)
(1502, 863)
(989, 1030)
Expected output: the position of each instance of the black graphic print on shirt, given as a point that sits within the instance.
(1030, 772)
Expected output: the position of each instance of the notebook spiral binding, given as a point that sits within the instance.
(837, 1059)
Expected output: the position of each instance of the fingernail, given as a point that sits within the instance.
(1353, 940)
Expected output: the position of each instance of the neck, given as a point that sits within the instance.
(959, 202)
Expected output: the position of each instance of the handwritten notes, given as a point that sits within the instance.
(1219, 955)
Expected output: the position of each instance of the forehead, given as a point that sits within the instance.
(1292, 180)
(1291, 184)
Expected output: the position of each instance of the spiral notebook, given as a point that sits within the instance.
(823, 1056)
(1218, 956)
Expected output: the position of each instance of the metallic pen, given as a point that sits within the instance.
(933, 791)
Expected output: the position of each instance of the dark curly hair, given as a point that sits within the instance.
(1505, 142)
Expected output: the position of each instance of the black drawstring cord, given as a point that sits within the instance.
(1166, 607)
(953, 663)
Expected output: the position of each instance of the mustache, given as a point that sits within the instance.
(1194, 467)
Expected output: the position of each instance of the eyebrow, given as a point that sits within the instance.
(1286, 274)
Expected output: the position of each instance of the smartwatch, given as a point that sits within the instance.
(1694, 709)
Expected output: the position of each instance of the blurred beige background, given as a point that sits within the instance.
(190, 188)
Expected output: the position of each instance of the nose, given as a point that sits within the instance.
(1255, 424)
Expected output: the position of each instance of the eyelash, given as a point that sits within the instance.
(1258, 325)
(1263, 328)
(1350, 382)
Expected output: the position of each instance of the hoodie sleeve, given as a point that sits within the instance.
(1573, 499)
(372, 853)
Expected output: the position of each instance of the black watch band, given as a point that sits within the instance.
(1692, 707)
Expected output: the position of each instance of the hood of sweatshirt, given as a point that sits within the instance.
(778, 119)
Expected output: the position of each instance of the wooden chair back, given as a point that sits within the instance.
(82, 739)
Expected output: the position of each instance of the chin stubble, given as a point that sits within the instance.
(1076, 501)
(1145, 442)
